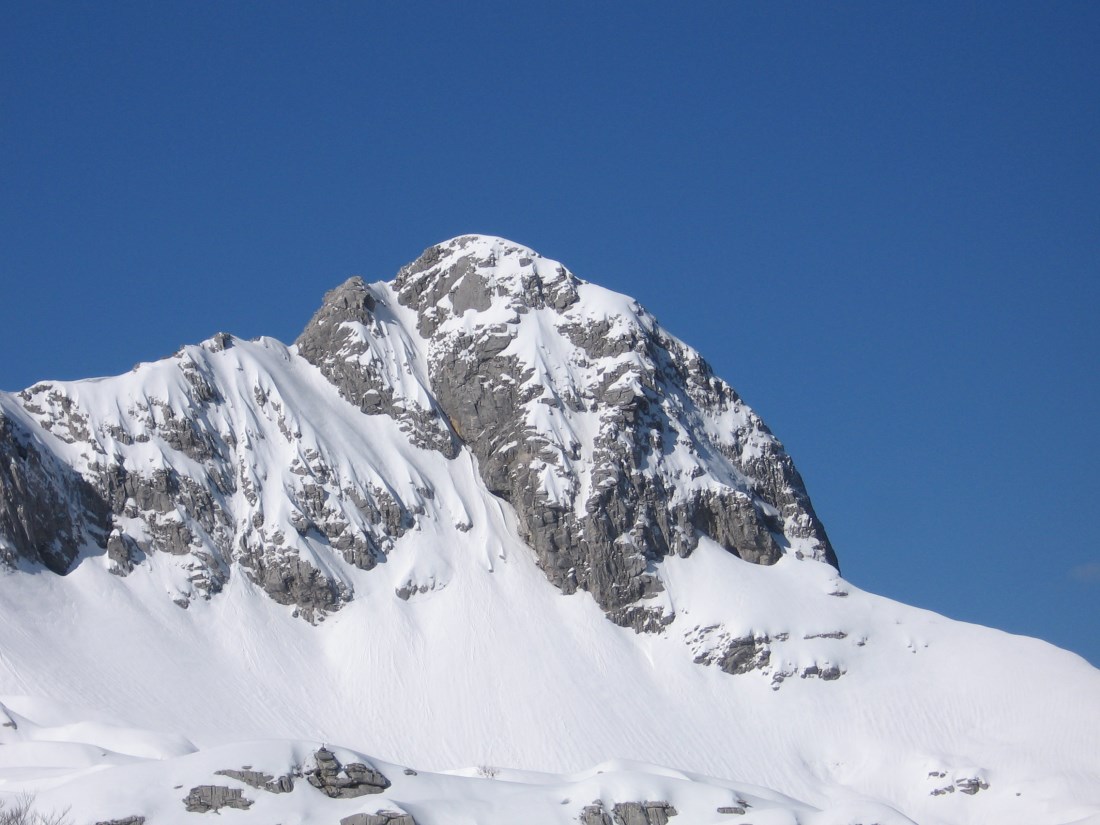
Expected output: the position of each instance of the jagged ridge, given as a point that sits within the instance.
(613, 441)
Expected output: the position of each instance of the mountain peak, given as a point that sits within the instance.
(563, 390)
(480, 272)
(350, 301)
(612, 441)
(470, 469)
(485, 248)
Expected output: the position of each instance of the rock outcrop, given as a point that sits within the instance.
(260, 780)
(379, 818)
(628, 813)
(48, 512)
(356, 342)
(339, 781)
(212, 798)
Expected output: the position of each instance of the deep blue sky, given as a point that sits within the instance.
(879, 221)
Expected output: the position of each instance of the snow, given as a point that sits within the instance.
(483, 794)
(497, 668)
(114, 700)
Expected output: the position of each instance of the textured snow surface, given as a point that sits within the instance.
(504, 695)
(499, 669)
(157, 783)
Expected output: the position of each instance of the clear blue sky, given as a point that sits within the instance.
(879, 221)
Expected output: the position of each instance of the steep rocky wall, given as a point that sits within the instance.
(169, 463)
(645, 403)
(48, 512)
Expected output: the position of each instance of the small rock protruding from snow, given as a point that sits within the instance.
(340, 781)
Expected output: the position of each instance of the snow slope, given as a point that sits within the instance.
(499, 669)
(435, 639)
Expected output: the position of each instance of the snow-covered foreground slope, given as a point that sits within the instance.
(484, 517)
(270, 781)
(498, 669)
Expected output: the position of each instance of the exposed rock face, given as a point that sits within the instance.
(612, 440)
(829, 672)
(344, 781)
(379, 818)
(595, 815)
(598, 512)
(47, 511)
(129, 820)
(205, 798)
(740, 655)
(643, 813)
(177, 464)
(261, 781)
(628, 813)
(354, 341)
(737, 655)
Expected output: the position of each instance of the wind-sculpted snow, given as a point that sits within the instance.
(405, 535)
(101, 775)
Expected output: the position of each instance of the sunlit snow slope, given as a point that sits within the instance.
(484, 516)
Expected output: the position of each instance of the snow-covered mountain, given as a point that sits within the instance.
(484, 520)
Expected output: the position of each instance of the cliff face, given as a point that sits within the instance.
(613, 440)
(47, 510)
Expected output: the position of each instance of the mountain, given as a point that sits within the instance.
(488, 516)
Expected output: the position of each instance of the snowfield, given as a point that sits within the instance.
(499, 670)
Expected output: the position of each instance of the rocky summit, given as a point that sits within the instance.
(485, 544)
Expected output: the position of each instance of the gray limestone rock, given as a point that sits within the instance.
(971, 785)
(408, 590)
(290, 580)
(740, 655)
(828, 673)
(206, 798)
(124, 552)
(627, 813)
(339, 781)
(48, 512)
(595, 815)
(126, 820)
(181, 516)
(260, 781)
(632, 516)
(338, 334)
(379, 818)
(642, 813)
